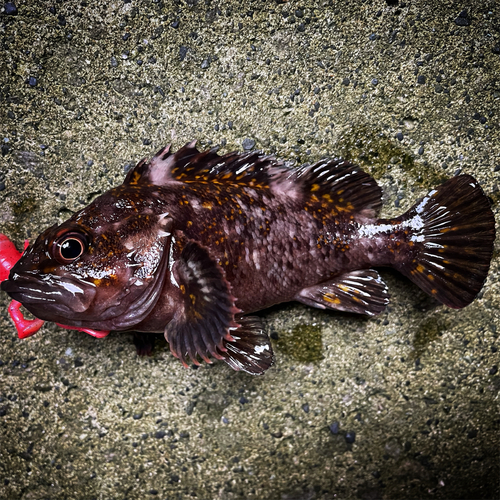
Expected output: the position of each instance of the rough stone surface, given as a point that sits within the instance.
(400, 406)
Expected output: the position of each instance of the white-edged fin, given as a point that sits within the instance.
(343, 187)
(362, 292)
(251, 349)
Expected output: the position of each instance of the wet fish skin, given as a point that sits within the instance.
(192, 243)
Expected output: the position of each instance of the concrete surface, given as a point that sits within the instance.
(400, 406)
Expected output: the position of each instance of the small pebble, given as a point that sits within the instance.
(334, 428)
(463, 19)
(182, 52)
(350, 437)
(248, 144)
(10, 9)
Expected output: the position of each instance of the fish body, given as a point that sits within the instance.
(191, 244)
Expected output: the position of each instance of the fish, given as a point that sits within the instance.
(193, 244)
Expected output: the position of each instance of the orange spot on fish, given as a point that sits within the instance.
(331, 298)
(135, 178)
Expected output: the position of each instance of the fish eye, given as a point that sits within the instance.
(69, 247)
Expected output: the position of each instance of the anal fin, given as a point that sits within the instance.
(362, 292)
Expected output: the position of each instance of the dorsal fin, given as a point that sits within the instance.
(329, 185)
(341, 185)
(189, 165)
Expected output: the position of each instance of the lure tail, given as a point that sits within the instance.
(449, 237)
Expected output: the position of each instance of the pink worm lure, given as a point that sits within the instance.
(27, 327)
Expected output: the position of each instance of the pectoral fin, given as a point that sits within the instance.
(361, 292)
(206, 311)
(204, 325)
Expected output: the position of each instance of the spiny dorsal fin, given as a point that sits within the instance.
(190, 166)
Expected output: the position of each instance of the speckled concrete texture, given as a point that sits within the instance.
(400, 406)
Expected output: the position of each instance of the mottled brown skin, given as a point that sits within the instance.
(191, 242)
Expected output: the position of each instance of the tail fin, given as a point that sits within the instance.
(450, 234)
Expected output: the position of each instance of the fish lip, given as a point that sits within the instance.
(24, 290)
(48, 299)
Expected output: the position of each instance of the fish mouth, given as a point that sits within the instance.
(53, 299)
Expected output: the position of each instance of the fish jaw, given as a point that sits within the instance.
(48, 299)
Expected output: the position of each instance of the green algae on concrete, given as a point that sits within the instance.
(404, 405)
(303, 343)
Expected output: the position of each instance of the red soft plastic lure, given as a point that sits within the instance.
(9, 255)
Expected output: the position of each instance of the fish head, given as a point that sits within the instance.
(104, 268)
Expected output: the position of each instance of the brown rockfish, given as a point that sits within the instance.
(191, 244)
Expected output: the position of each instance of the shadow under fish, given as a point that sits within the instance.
(192, 243)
